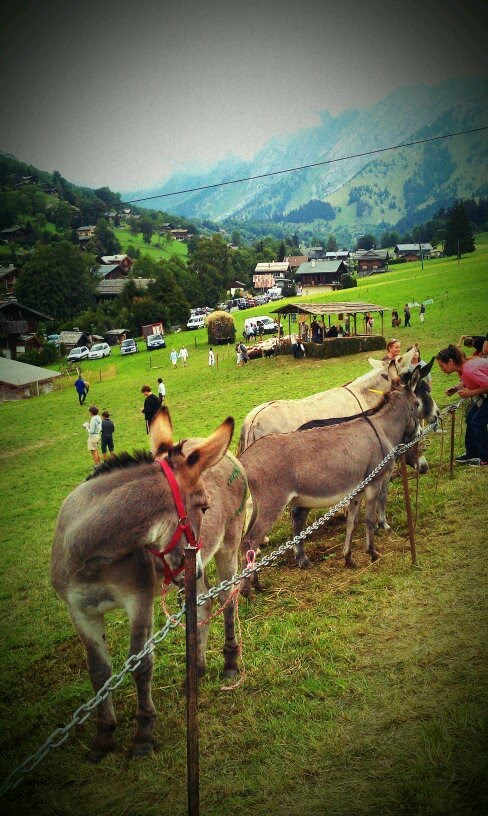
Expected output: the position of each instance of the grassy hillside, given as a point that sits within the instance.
(364, 693)
(157, 249)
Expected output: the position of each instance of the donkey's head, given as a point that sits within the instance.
(187, 472)
(402, 362)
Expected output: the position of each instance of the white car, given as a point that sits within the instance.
(129, 346)
(196, 322)
(270, 326)
(77, 354)
(99, 350)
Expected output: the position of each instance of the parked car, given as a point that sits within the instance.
(99, 350)
(196, 322)
(77, 354)
(270, 326)
(128, 346)
(155, 341)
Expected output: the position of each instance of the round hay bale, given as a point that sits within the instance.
(220, 328)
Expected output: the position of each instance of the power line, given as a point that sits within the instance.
(306, 166)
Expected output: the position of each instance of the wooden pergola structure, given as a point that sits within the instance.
(328, 310)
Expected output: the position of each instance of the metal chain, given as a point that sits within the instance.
(83, 712)
(60, 735)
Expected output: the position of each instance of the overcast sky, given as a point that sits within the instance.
(122, 94)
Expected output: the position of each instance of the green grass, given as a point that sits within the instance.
(364, 693)
(164, 250)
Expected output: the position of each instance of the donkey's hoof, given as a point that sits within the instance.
(305, 563)
(351, 563)
(374, 556)
(230, 672)
(95, 755)
(141, 750)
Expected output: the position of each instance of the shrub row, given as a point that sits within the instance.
(339, 346)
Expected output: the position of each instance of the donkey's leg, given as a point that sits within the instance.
(140, 612)
(372, 496)
(299, 518)
(381, 522)
(226, 560)
(352, 515)
(266, 509)
(91, 629)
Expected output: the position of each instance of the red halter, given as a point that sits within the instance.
(183, 527)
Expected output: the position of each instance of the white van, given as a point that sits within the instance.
(270, 326)
(196, 322)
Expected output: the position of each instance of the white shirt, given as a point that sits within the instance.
(161, 390)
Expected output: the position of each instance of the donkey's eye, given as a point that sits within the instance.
(204, 508)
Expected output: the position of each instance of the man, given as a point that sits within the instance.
(211, 357)
(150, 407)
(161, 391)
(183, 355)
(406, 312)
(81, 389)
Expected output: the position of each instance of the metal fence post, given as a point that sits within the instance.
(451, 457)
(192, 758)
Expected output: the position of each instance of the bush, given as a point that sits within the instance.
(47, 355)
(348, 281)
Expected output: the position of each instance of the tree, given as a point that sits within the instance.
(331, 244)
(366, 242)
(459, 234)
(58, 280)
(107, 238)
(211, 264)
(146, 226)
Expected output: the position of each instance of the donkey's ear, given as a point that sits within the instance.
(376, 363)
(161, 432)
(415, 378)
(427, 368)
(209, 452)
(404, 361)
(393, 377)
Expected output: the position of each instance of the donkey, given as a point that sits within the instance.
(355, 448)
(115, 537)
(283, 416)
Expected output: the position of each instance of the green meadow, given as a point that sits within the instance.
(157, 249)
(363, 692)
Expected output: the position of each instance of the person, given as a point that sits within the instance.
(475, 341)
(332, 332)
(392, 349)
(395, 320)
(150, 407)
(347, 325)
(406, 312)
(296, 347)
(173, 357)
(259, 330)
(315, 328)
(161, 391)
(108, 429)
(81, 389)
(422, 312)
(211, 357)
(369, 323)
(183, 355)
(243, 353)
(94, 426)
(417, 360)
(474, 383)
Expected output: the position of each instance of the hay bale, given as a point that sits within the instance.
(220, 328)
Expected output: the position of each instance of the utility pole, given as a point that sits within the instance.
(421, 256)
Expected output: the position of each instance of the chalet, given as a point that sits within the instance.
(413, 252)
(180, 234)
(371, 260)
(110, 288)
(8, 279)
(236, 286)
(114, 337)
(85, 233)
(19, 327)
(268, 274)
(316, 253)
(19, 380)
(124, 261)
(294, 261)
(73, 339)
(338, 255)
(16, 233)
(321, 273)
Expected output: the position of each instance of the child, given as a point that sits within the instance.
(94, 426)
(108, 428)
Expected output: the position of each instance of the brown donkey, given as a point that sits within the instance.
(353, 450)
(102, 560)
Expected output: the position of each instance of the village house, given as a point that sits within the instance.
(114, 337)
(109, 288)
(16, 233)
(371, 260)
(294, 261)
(321, 273)
(85, 233)
(413, 252)
(20, 380)
(73, 339)
(180, 234)
(267, 275)
(19, 328)
(125, 262)
(8, 279)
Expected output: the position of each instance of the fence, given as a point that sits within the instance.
(60, 735)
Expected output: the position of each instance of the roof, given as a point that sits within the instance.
(8, 270)
(12, 301)
(71, 338)
(115, 287)
(354, 307)
(114, 259)
(319, 267)
(374, 254)
(273, 266)
(339, 253)
(413, 247)
(115, 332)
(296, 260)
(105, 269)
(14, 373)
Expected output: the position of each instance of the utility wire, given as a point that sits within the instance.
(306, 166)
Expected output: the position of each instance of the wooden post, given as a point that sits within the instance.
(192, 758)
(451, 454)
(411, 531)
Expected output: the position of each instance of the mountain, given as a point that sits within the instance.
(365, 193)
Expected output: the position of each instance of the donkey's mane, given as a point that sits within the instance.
(124, 460)
(323, 423)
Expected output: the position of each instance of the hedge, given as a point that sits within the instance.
(339, 346)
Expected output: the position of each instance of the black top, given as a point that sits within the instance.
(108, 428)
(151, 407)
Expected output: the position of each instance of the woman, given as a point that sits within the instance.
(392, 350)
(417, 360)
(94, 426)
(474, 384)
